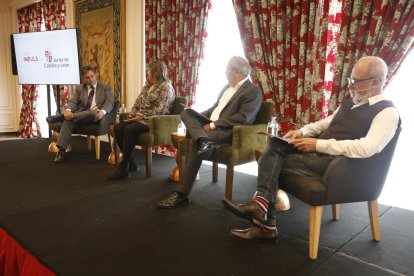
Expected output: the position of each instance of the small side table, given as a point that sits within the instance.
(282, 199)
(175, 172)
(115, 155)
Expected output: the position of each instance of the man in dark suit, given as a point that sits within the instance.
(91, 101)
(238, 104)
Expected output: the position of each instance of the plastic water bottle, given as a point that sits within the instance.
(122, 109)
(181, 129)
(272, 127)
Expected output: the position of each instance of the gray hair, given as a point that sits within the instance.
(240, 64)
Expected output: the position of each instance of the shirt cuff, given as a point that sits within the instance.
(322, 145)
(104, 111)
(212, 126)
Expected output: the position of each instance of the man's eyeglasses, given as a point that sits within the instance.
(353, 82)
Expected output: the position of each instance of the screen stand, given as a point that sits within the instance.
(48, 107)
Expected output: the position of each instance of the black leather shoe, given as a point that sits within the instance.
(255, 233)
(174, 200)
(60, 157)
(207, 147)
(249, 211)
(55, 118)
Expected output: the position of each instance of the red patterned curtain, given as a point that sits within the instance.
(282, 40)
(301, 52)
(54, 14)
(175, 31)
(380, 28)
(29, 20)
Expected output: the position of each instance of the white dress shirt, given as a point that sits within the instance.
(382, 130)
(225, 98)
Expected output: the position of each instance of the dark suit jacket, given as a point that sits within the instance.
(241, 109)
(103, 97)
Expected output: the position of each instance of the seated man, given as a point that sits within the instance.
(238, 104)
(90, 102)
(361, 127)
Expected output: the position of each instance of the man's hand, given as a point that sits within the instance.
(304, 144)
(68, 115)
(99, 114)
(207, 128)
(293, 134)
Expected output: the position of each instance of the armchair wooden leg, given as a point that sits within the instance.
(180, 165)
(314, 230)
(373, 217)
(335, 211)
(215, 171)
(148, 161)
(97, 148)
(88, 140)
(229, 182)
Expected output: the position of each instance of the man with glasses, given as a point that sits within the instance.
(361, 127)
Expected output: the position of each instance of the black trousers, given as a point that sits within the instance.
(126, 134)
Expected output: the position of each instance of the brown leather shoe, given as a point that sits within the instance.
(249, 211)
(254, 233)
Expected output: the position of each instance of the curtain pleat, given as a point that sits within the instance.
(301, 52)
(175, 32)
(29, 20)
(55, 19)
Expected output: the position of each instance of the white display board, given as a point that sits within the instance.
(49, 57)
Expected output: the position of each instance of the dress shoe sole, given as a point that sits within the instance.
(244, 237)
(242, 215)
(181, 204)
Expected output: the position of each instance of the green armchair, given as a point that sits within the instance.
(241, 151)
(161, 127)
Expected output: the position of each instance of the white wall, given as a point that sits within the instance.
(8, 82)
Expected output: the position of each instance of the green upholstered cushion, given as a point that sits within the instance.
(178, 106)
(265, 113)
(161, 126)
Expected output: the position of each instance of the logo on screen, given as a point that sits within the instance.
(30, 58)
(48, 55)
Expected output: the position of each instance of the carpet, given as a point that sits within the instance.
(76, 223)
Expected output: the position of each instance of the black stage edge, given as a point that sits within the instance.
(78, 224)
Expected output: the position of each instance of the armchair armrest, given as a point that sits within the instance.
(244, 136)
(345, 175)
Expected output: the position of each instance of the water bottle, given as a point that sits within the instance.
(181, 129)
(272, 127)
(122, 109)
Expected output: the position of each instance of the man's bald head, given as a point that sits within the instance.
(370, 67)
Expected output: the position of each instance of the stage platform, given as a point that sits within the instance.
(73, 222)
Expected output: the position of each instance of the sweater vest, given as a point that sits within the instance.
(351, 124)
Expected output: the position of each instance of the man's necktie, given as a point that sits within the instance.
(90, 98)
